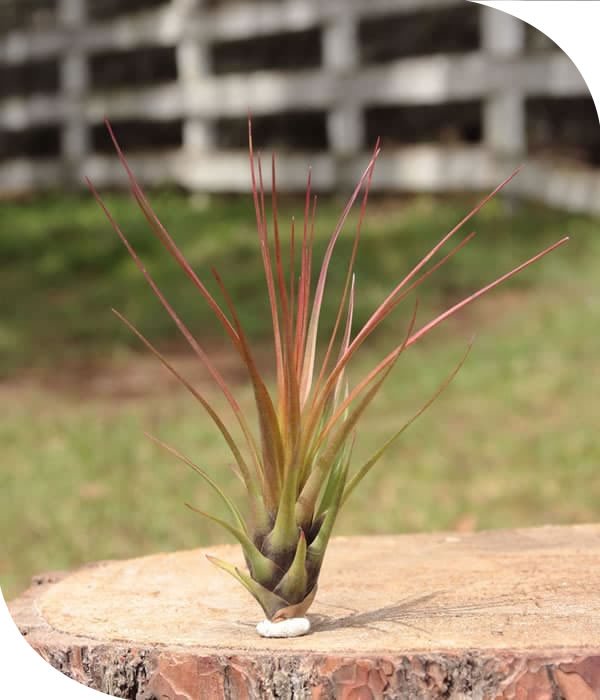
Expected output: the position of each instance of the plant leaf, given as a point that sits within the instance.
(377, 317)
(268, 601)
(297, 610)
(292, 586)
(226, 500)
(392, 299)
(348, 283)
(310, 492)
(305, 277)
(282, 540)
(366, 468)
(345, 344)
(333, 482)
(384, 366)
(258, 197)
(311, 341)
(262, 569)
(317, 548)
(181, 327)
(163, 235)
(244, 471)
(436, 321)
(271, 441)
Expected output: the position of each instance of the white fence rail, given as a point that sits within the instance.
(500, 75)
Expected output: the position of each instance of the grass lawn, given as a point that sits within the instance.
(514, 441)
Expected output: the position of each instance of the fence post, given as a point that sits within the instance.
(503, 37)
(193, 64)
(74, 84)
(345, 118)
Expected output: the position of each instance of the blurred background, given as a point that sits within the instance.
(460, 94)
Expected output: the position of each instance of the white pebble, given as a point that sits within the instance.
(294, 627)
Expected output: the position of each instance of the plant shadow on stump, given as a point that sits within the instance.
(403, 613)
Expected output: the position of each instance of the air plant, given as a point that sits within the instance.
(297, 468)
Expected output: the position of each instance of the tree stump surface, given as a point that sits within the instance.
(501, 615)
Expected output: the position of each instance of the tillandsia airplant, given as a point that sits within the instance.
(297, 466)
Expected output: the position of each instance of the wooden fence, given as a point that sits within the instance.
(318, 77)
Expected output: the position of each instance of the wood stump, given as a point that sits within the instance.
(501, 614)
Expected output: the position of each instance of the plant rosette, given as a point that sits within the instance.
(296, 463)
